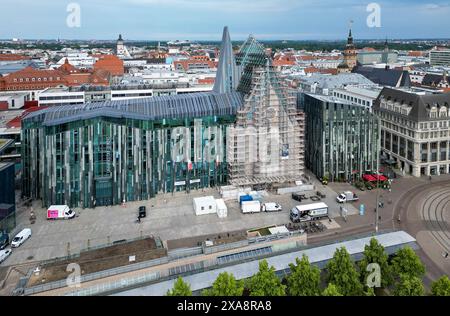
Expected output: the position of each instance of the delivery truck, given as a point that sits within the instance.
(251, 207)
(60, 212)
(304, 213)
(347, 196)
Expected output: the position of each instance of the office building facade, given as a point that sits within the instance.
(342, 140)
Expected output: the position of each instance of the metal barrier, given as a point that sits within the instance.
(224, 247)
(116, 285)
(184, 252)
(174, 255)
(97, 275)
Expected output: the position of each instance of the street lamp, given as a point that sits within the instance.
(378, 203)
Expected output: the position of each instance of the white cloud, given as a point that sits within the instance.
(436, 6)
(226, 5)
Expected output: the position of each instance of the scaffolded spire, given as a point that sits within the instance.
(226, 78)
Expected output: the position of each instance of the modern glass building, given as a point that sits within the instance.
(343, 140)
(107, 153)
(111, 152)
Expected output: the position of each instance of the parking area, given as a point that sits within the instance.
(169, 217)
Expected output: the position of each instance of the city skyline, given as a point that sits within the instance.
(198, 19)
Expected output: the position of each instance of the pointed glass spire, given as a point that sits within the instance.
(226, 78)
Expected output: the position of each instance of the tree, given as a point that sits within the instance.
(266, 282)
(304, 279)
(374, 254)
(409, 286)
(180, 288)
(342, 273)
(225, 285)
(406, 261)
(331, 290)
(441, 287)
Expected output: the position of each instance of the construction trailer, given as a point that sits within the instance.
(205, 205)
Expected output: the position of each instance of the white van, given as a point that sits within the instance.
(21, 237)
(4, 254)
(272, 207)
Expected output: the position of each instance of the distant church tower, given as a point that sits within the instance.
(120, 49)
(350, 56)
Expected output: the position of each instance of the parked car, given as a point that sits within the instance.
(4, 254)
(4, 239)
(298, 197)
(321, 195)
(142, 212)
(21, 238)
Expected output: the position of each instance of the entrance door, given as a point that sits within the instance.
(103, 193)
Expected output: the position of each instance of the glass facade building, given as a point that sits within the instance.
(128, 151)
(343, 140)
(111, 152)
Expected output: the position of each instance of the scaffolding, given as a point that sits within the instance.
(266, 144)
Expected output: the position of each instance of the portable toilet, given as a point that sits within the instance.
(222, 210)
(362, 210)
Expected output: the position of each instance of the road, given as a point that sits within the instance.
(425, 213)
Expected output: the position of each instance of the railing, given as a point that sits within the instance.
(97, 275)
(185, 252)
(172, 256)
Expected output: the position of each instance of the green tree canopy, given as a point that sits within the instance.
(331, 290)
(441, 287)
(180, 288)
(266, 282)
(342, 273)
(374, 253)
(406, 261)
(409, 286)
(225, 285)
(304, 279)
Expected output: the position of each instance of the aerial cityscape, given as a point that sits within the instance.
(226, 156)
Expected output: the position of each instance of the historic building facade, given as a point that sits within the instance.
(415, 131)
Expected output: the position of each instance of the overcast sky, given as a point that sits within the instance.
(204, 19)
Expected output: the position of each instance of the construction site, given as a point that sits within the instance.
(267, 140)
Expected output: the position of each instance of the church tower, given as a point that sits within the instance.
(120, 48)
(350, 56)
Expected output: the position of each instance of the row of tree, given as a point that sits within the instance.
(400, 276)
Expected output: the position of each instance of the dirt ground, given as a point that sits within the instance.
(101, 259)
(218, 239)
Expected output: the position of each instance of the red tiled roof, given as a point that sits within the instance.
(110, 63)
(13, 57)
(311, 70)
(3, 105)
